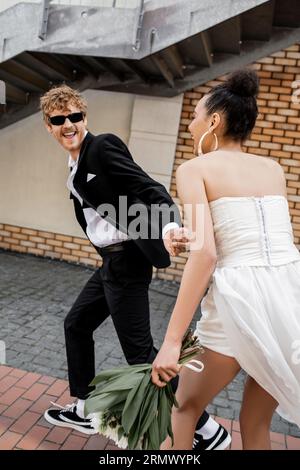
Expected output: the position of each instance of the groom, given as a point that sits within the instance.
(102, 172)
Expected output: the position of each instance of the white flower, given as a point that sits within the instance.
(96, 421)
(102, 427)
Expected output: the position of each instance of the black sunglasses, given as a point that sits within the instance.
(60, 120)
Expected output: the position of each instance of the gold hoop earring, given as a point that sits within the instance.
(200, 151)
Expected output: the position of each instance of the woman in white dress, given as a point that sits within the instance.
(247, 258)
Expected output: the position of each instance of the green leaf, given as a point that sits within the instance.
(145, 441)
(164, 414)
(149, 410)
(111, 373)
(105, 401)
(170, 432)
(117, 409)
(154, 435)
(133, 438)
(124, 382)
(134, 401)
(135, 434)
(171, 395)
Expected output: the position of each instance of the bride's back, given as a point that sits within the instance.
(239, 174)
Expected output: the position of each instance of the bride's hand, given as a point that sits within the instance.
(165, 366)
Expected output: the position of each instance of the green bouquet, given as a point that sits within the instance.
(129, 409)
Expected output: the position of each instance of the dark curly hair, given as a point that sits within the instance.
(236, 98)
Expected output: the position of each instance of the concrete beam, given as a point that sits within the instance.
(223, 63)
(17, 112)
(164, 70)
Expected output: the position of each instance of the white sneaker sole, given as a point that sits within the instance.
(63, 424)
(226, 443)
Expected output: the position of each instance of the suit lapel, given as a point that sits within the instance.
(85, 144)
(79, 173)
(80, 178)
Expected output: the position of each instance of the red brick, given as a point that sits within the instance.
(11, 395)
(12, 228)
(17, 408)
(2, 408)
(66, 398)
(29, 379)
(58, 435)
(8, 440)
(34, 392)
(5, 422)
(18, 373)
(29, 231)
(96, 442)
(7, 382)
(25, 422)
(45, 445)
(277, 446)
(74, 443)
(33, 438)
(236, 426)
(4, 370)
(42, 404)
(57, 388)
(293, 443)
(112, 447)
(46, 380)
(277, 437)
(236, 443)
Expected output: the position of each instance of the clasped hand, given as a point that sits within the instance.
(176, 241)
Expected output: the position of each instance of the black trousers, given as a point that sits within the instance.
(120, 289)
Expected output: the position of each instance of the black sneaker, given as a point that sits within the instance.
(219, 441)
(67, 417)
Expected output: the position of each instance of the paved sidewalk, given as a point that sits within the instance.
(35, 296)
(24, 397)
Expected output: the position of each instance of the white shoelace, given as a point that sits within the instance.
(71, 408)
(64, 408)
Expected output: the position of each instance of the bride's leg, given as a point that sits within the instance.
(255, 417)
(195, 391)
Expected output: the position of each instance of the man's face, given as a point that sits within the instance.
(70, 135)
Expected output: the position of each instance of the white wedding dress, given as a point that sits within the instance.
(252, 308)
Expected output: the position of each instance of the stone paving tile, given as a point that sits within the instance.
(29, 431)
(35, 296)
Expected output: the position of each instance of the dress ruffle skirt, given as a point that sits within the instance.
(252, 313)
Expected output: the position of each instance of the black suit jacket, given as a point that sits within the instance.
(116, 175)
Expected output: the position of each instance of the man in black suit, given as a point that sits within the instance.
(108, 190)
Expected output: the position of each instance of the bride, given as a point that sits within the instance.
(247, 258)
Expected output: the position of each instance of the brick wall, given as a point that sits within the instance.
(51, 245)
(276, 135)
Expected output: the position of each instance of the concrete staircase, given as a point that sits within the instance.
(160, 47)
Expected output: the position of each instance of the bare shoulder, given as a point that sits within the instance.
(195, 166)
(271, 165)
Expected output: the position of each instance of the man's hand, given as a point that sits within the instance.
(176, 241)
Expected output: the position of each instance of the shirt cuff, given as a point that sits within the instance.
(168, 227)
